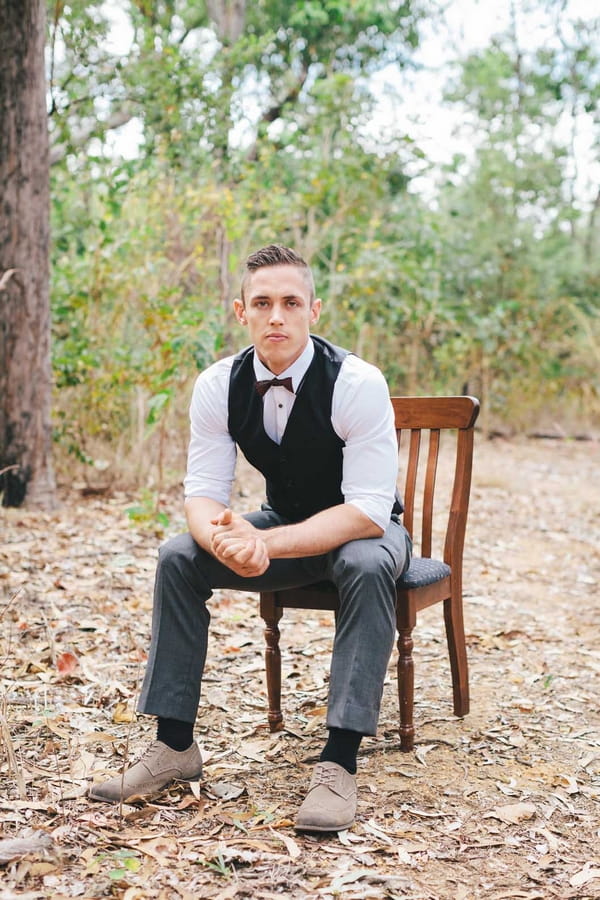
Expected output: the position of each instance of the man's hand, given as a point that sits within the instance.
(238, 545)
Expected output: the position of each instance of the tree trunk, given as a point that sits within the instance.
(229, 16)
(25, 373)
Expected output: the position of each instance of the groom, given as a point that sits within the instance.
(317, 422)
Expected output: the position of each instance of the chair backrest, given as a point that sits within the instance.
(416, 416)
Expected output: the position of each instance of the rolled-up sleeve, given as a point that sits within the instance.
(211, 452)
(363, 417)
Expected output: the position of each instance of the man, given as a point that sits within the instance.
(317, 422)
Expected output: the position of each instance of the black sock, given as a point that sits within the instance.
(341, 748)
(175, 734)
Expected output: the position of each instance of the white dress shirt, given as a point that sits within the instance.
(361, 416)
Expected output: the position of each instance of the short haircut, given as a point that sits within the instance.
(276, 255)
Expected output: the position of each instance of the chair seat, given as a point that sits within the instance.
(423, 571)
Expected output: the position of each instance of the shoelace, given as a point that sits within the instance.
(153, 750)
(328, 777)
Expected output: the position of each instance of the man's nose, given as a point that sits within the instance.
(276, 313)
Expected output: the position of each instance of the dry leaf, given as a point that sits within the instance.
(195, 789)
(159, 848)
(421, 753)
(316, 711)
(372, 828)
(67, 663)
(341, 881)
(225, 791)
(15, 848)
(123, 714)
(513, 813)
(134, 893)
(569, 783)
(254, 750)
(292, 847)
(586, 874)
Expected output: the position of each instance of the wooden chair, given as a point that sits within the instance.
(428, 580)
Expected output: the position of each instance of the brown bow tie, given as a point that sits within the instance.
(263, 386)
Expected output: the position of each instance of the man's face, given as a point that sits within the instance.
(278, 314)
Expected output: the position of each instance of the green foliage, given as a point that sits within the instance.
(219, 866)
(147, 512)
(256, 131)
(118, 864)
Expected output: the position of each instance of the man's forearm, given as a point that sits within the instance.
(320, 533)
(199, 512)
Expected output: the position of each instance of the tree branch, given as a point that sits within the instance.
(274, 112)
(83, 135)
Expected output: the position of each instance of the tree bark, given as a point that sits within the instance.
(229, 16)
(25, 371)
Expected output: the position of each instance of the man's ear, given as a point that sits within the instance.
(315, 311)
(240, 311)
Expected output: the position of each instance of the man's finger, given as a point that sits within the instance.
(225, 517)
(260, 558)
(241, 550)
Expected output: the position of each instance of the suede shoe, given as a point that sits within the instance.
(330, 804)
(158, 767)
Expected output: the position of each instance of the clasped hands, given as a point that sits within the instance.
(239, 545)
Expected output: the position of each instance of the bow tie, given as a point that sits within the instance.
(263, 386)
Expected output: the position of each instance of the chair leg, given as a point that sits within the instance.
(271, 613)
(406, 688)
(457, 651)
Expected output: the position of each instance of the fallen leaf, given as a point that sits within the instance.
(513, 813)
(569, 784)
(15, 848)
(67, 663)
(159, 848)
(195, 789)
(421, 753)
(225, 791)
(584, 875)
(254, 750)
(123, 714)
(348, 878)
(372, 828)
(316, 711)
(292, 847)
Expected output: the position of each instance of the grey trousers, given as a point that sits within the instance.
(364, 572)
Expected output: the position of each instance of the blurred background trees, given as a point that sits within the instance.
(185, 134)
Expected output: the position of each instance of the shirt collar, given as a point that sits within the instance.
(296, 371)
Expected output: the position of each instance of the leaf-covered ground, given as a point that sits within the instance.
(502, 804)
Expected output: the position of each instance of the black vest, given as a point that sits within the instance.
(304, 472)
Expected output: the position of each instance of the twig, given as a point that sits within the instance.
(10, 602)
(12, 757)
(127, 739)
(60, 781)
(50, 636)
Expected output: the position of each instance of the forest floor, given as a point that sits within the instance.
(502, 804)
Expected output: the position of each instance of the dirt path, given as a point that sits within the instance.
(502, 804)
